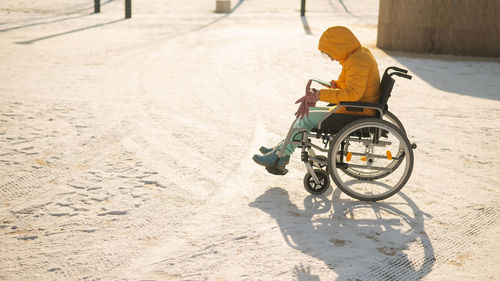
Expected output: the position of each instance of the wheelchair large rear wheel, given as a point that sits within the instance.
(389, 116)
(377, 150)
(362, 174)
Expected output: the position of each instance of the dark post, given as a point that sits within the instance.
(303, 8)
(128, 9)
(97, 6)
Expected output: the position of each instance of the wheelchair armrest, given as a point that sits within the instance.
(363, 104)
(359, 106)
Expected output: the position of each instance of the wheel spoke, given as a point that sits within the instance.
(372, 173)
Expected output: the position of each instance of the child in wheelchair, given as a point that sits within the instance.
(358, 81)
(368, 158)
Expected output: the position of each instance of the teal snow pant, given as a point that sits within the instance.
(316, 114)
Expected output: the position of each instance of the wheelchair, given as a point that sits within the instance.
(368, 157)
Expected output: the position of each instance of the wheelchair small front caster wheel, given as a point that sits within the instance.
(317, 188)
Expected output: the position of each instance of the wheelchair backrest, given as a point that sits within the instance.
(387, 83)
(333, 122)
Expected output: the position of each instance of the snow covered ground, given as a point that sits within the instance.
(126, 149)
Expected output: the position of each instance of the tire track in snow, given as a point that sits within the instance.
(21, 186)
(239, 180)
(150, 135)
(151, 146)
(26, 185)
(449, 244)
(223, 187)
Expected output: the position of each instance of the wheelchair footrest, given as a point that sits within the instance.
(277, 171)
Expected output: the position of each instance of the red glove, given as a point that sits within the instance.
(308, 100)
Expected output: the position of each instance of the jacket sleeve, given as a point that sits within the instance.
(356, 81)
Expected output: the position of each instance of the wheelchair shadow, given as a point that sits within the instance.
(469, 76)
(352, 233)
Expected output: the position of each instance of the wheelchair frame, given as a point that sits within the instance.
(333, 123)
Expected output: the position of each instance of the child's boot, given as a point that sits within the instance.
(265, 150)
(274, 164)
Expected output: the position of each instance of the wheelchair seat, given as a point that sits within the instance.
(333, 122)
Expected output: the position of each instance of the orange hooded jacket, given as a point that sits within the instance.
(359, 79)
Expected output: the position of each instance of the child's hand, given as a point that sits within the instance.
(308, 91)
(308, 87)
(334, 84)
(308, 100)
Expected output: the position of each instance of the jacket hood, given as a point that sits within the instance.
(338, 42)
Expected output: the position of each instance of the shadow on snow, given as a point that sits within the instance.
(471, 76)
(345, 239)
(53, 16)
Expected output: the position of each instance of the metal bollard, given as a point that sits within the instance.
(97, 6)
(223, 6)
(303, 8)
(128, 9)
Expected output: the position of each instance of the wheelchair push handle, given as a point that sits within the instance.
(397, 69)
(401, 75)
(398, 72)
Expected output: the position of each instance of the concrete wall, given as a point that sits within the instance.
(458, 27)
